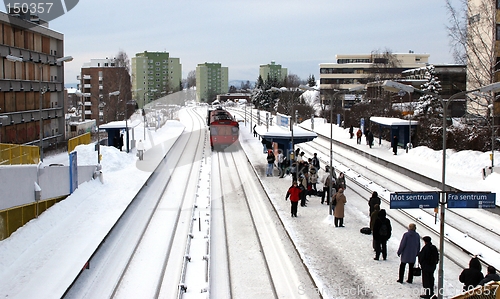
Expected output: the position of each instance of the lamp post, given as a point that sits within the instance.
(42, 90)
(338, 92)
(144, 109)
(395, 87)
(492, 108)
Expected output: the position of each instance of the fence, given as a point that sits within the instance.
(74, 142)
(15, 154)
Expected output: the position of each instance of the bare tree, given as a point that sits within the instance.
(122, 60)
(472, 31)
(191, 79)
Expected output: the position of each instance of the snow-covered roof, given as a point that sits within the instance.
(392, 121)
(120, 124)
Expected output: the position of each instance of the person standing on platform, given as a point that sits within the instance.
(140, 149)
(395, 144)
(359, 134)
(408, 251)
(339, 201)
(270, 163)
(382, 230)
(294, 194)
(351, 132)
(428, 259)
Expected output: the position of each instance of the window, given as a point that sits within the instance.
(498, 32)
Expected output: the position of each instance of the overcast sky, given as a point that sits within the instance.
(243, 34)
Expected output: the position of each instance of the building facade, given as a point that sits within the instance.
(358, 69)
(154, 74)
(273, 70)
(211, 80)
(483, 54)
(99, 78)
(31, 82)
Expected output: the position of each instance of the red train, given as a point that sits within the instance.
(224, 129)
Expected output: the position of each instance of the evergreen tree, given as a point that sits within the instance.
(428, 105)
(311, 81)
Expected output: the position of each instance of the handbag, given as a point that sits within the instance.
(417, 271)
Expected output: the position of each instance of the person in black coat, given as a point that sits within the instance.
(381, 233)
(374, 200)
(471, 276)
(395, 144)
(491, 276)
(428, 258)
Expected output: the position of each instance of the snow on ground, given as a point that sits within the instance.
(340, 260)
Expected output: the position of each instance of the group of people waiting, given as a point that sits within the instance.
(410, 252)
(409, 247)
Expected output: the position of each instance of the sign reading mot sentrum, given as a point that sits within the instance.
(45, 10)
(414, 200)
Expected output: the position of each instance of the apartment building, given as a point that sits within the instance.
(31, 81)
(483, 54)
(154, 74)
(98, 78)
(211, 80)
(273, 70)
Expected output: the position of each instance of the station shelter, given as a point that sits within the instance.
(280, 133)
(398, 127)
(118, 129)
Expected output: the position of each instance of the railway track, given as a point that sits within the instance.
(272, 267)
(152, 233)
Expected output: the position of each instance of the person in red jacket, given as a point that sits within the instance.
(294, 194)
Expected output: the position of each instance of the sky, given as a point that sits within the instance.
(244, 34)
(35, 256)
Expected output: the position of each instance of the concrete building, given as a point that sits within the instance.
(211, 80)
(273, 70)
(31, 81)
(98, 79)
(154, 74)
(356, 69)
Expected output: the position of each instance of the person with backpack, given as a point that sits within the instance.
(270, 163)
(339, 201)
(428, 258)
(382, 230)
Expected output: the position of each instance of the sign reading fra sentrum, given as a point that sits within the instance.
(478, 200)
(45, 10)
(414, 200)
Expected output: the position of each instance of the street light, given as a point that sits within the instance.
(492, 106)
(395, 86)
(338, 92)
(42, 90)
(144, 108)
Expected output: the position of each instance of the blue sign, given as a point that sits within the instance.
(414, 200)
(476, 200)
(73, 171)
